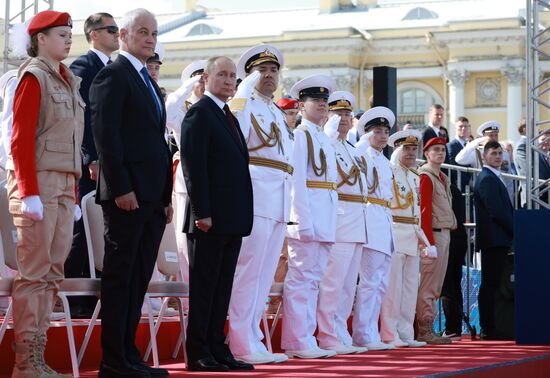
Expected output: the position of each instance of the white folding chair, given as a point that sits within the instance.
(275, 291)
(167, 264)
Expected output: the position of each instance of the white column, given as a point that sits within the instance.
(455, 80)
(514, 76)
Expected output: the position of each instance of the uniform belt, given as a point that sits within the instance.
(379, 201)
(352, 198)
(321, 185)
(406, 220)
(436, 229)
(270, 163)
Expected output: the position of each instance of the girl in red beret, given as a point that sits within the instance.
(43, 167)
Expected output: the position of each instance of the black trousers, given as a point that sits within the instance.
(492, 263)
(212, 263)
(132, 240)
(451, 293)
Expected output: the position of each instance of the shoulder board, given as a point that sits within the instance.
(348, 142)
(302, 128)
(413, 170)
(237, 104)
(277, 106)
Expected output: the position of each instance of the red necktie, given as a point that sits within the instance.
(232, 124)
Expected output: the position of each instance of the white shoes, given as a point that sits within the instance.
(414, 343)
(378, 345)
(256, 358)
(398, 343)
(277, 357)
(315, 352)
(343, 349)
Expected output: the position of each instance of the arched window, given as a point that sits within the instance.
(203, 29)
(413, 101)
(420, 13)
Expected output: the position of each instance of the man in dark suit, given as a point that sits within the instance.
(214, 159)
(134, 188)
(494, 233)
(431, 130)
(463, 131)
(101, 32)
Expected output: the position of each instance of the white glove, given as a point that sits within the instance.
(366, 138)
(32, 208)
(306, 234)
(184, 91)
(77, 213)
(331, 127)
(246, 87)
(431, 252)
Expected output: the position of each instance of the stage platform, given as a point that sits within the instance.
(466, 358)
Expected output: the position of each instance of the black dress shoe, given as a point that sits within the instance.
(153, 372)
(233, 364)
(206, 364)
(108, 371)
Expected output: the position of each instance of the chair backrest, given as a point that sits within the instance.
(168, 258)
(8, 230)
(92, 216)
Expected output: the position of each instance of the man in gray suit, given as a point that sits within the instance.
(520, 159)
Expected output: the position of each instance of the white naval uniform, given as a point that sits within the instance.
(309, 241)
(260, 250)
(176, 108)
(375, 261)
(399, 303)
(337, 288)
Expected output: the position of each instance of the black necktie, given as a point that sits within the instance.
(232, 124)
(109, 62)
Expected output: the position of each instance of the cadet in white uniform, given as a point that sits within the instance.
(376, 258)
(177, 104)
(337, 288)
(313, 208)
(471, 154)
(399, 303)
(270, 149)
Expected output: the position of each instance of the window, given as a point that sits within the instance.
(412, 105)
(420, 13)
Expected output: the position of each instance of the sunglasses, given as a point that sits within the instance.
(111, 29)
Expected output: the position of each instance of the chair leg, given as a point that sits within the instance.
(89, 331)
(157, 326)
(70, 334)
(183, 324)
(267, 332)
(275, 320)
(6, 320)
(152, 332)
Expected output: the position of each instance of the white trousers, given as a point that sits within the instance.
(181, 238)
(336, 288)
(254, 275)
(399, 303)
(373, 281)
(307, 262)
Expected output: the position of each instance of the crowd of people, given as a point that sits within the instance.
(363, 233)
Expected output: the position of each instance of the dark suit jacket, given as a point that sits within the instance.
(427, 134)
(87, 67)
(494, 212)
(453, 148)
(133, 154)
(215, 167)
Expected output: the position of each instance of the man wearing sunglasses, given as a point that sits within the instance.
(101, 33)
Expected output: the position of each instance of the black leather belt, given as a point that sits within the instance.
(436, 229)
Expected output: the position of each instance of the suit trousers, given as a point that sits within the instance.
(41, 251)
(181, 238)
(254, 274)
(373, 282)
(212, 261)
(307, 263)
(432, 274)
(399, 304)
(451, 293)
(337, 286)
(492, 265)
(132, 240)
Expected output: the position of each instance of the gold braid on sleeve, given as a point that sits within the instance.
(268, 140)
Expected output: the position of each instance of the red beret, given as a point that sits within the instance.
(433, 142)
(287, 103)
(49, 19)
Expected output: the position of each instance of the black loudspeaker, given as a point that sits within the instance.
(385, 93)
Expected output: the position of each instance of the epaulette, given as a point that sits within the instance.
(351, 144)
(277, 106)
(302, 127)
(237, 104)
(413, 170)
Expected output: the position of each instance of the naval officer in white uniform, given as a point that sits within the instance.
(313, 208)
(270, 149)
(337, 288)
(177, 104)
(399, 303)
(375, 260)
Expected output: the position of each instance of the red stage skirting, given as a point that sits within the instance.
(466, 358)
